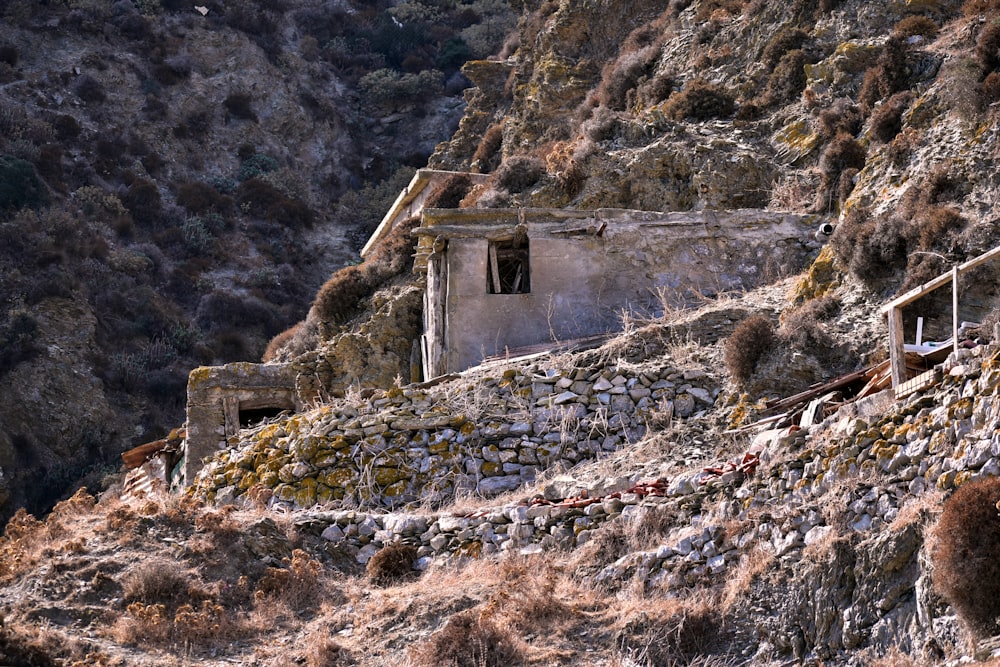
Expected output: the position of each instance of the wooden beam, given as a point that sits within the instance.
(495, 270)
(954, 307)
(897, 354)
(940, 281)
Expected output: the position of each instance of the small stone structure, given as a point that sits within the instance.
(501, 279)
(222, 398)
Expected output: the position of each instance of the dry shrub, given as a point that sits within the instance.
(787, 80)
(888, 76)
(219, 524)
(936, 226)
(26, 647)
(676, 634)
(988, 47)
(801, 327)
(487, 155)
(565, 162)
(620, 77)
(842, 117)
(342, 296)
(753, 563)
(843, 153)
(974, 8)
(157, 582)
(469, 640)
(527, 598)
(989, 89)
(449, 192)
(277, 343)
(747, 345)
(22, 535)
(322, 651)
(887, 119)
(708, 8)
(871, 249)
(297, 584)
(787, 38)
(519, 173)
(206, 625)
(916, 24)
(965, 548)
(391, 564)
(700, 100)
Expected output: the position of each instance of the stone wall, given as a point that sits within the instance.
(484, 435)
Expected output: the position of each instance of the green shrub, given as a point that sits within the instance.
(20, 186)
(391, 564)
(700, 100)
(750, 341)
(18, 332)
(966, 555)
(256, 164)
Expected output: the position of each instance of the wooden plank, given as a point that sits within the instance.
(136, 456)
(897, 355)
(818, 390)
(495, 270)
(919, 383)
(954, 306)
(940, 281)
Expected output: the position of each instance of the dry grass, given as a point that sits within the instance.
(752, 565)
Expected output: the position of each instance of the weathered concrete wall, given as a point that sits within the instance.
(582, 280)
(217, 394)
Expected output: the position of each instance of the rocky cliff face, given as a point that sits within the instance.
(188, 179)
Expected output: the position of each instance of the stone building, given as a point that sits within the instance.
(502, 279)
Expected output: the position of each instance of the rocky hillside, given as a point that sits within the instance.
(642, 519)
(175, 185)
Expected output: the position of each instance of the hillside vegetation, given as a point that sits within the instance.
(607, 507)
(175, 185)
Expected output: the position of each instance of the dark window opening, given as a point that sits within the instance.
(508, 270)
(250, 418)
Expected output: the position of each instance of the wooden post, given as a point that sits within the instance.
(920, 331)
(954, 306)
(897, 354)
(495, 270)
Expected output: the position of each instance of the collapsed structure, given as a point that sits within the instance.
(499, 280)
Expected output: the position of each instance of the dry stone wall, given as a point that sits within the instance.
(485, 435)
